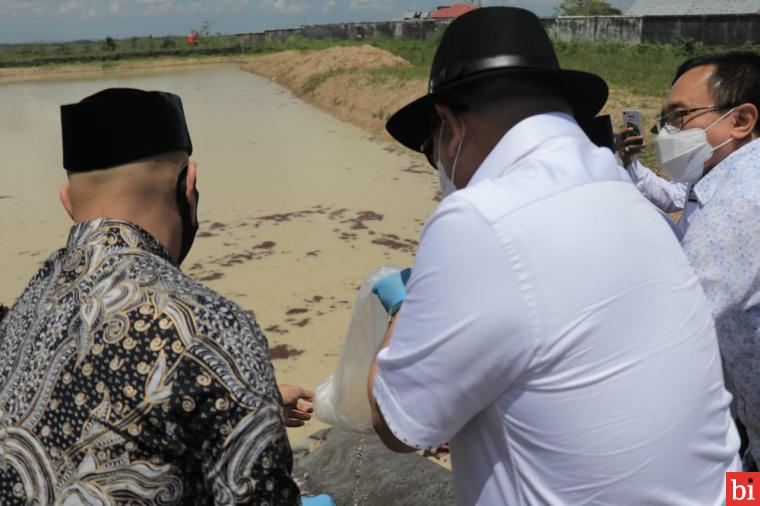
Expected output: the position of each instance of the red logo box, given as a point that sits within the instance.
(742, 489)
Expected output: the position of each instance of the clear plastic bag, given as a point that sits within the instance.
(341, 400)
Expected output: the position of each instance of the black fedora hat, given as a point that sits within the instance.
(493, 41)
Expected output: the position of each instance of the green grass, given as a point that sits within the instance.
(123, 48)
(642, 69)
(299, 44)
(416, 52)
(315, 81)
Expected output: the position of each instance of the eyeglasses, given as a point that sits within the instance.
(674, 120)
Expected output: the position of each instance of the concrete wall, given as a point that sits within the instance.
(716, 30)
(267, 36)
(713, 30)
(626, 30)
(724, 30)
(414, 29)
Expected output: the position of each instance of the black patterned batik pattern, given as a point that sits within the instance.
(123, 381)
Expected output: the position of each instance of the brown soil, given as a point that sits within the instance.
(295, 68)
(336, 80)
(283, 351)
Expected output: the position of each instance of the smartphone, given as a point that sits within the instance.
(632, 120)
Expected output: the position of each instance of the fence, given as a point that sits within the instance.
(724, 30)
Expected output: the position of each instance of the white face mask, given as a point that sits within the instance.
(682, 153)
(447, 185)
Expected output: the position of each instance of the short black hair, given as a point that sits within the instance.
(736, 79)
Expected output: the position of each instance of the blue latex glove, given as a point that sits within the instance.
(391, 290)
(318, 500)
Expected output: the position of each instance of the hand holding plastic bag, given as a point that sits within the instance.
(391, 290)
(341, 400)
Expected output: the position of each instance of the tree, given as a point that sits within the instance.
(109, 44)
(205, 29)
(586, 8)
(168, 43)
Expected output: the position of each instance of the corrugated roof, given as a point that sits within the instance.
(451, 11)
(693, 7)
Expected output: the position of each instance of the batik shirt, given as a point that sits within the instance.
(123, 381)
(723, 246)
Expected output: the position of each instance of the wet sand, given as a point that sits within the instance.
(297, 207)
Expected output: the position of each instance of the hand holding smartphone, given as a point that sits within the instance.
(632, 136)
(632, 120)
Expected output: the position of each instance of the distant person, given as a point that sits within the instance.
(559, 373)
(708, 140)
(122, 380)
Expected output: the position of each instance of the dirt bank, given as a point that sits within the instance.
(343, 81)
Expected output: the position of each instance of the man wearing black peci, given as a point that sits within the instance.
(122, 379)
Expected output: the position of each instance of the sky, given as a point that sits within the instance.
(65, 20)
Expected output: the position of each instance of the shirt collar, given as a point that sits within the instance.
(115, 235)
(705, 187)
(521, 140)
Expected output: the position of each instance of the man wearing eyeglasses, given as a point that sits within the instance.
(678, 118)
(705, 143)
(715, 101)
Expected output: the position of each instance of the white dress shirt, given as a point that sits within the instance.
(517, 343)
(666, 195)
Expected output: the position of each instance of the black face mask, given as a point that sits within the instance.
(189, 229)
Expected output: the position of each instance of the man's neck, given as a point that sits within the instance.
(158, 223)
(743, 143)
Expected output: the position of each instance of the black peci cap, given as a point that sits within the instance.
(494, 41)
(121, 125)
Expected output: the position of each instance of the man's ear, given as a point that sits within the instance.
(192, 177)
(453, 124)
(65, 195)
(745, 121)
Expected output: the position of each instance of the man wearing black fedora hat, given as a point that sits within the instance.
(514, 338)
